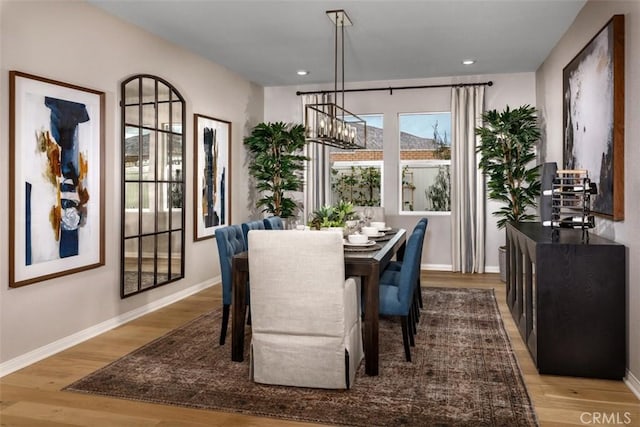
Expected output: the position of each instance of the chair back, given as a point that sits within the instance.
(248, 226)
(422, 224)
(273, 223)
(410, 270)
(297, 282)
(230, 241)
(305, 316)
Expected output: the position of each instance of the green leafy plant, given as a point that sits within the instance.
(276, 164)
(358, 185)
(332, 216)
(439, 194)
(507, 147)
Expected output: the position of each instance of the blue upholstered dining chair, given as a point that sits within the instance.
(230, 241)
(397, 289)
(251, 225)
(273, 223)
(395, 265)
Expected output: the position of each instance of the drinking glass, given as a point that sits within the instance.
(368, 215)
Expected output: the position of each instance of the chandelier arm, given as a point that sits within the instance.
(335, 62)
(342, 63)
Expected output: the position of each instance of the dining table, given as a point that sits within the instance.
(366, 264)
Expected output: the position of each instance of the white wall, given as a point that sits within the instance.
(77, 43)
(282, 104)
(589, 21)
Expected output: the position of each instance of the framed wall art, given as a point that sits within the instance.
(212, 175)
(56, 188)
(593, 116)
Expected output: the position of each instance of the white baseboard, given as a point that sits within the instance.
(43, 352)
(447, 267)
(436, 267)
(633, 383)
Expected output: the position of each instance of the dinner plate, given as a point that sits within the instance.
(385, 229)
(380, 234)
(369, 243)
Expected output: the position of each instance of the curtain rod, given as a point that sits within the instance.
(392, 88)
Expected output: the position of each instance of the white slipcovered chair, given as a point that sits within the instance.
(306, 327)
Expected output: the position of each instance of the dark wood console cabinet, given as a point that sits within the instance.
(568, 300)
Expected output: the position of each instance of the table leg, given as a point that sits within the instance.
(238, 311)
(370, 283)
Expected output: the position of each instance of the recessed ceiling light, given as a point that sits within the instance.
(468, 61)
(302, 72)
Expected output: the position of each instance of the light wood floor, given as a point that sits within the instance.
(32, 397)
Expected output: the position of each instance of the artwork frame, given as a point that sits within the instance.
(56, 179)
(595, 74)
(212, 153)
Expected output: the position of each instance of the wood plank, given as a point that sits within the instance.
(58, 414)
(32, 397)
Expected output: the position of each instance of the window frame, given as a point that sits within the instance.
(428, 162)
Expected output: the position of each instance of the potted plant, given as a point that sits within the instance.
(507, 148)
(333, 216)
(276, 164)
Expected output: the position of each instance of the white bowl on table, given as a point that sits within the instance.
(379, 225)
(370, 231)
(358, 239)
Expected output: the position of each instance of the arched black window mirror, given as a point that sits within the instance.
(153, 184)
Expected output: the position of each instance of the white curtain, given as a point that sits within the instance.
(317, 179)
(467, 183)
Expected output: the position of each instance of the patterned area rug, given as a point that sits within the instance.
(463, 373)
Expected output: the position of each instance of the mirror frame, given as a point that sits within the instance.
(149, 233)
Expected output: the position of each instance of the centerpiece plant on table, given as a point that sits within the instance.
(333, 216)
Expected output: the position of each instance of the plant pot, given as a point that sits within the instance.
(502, 263)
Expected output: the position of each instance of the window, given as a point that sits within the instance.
(425, 162)
(356, 175)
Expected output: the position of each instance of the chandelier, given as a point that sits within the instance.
(329, 123)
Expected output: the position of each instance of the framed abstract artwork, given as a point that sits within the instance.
(212, 175)
(56, 188)
(593, 117)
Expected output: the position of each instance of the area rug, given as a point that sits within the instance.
(463, 373)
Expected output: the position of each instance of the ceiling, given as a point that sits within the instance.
(268, 41)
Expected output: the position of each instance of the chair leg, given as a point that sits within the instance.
(413, 313)
(411, 324)
(405, 337)
(416, 312)
(225, 322)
